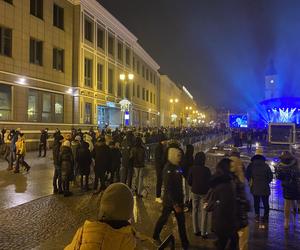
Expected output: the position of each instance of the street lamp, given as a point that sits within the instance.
(125, 104)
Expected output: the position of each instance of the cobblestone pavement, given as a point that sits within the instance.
(35, 219)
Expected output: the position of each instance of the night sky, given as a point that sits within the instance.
(219, 49)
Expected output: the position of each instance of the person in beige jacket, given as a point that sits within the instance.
(113, 231)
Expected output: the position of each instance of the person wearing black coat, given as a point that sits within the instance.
(103, 162)
(66, 163)
(43, 142)
(57, 185)
(173, 197)
(198, 179)
(221, 201)
(127, 166)
(289, 173)
(159, 166)
(260, 176)
(84, 160)
(116, 157)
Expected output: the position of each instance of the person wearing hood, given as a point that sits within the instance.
(20, 152)
(113, 230)
(221, 201)
(242, 202)
(66, 163)
(260, 175)
(289, 173)
(84, 160)
(198, 179)
(87, 138)
(173, 197)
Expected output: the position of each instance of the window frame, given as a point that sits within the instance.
(100, 76)
(55, 64)
(35, 8)
(34, 54)
(88, 79)
(9, 109)
(58, 20)
(88, 36)
(4, 39)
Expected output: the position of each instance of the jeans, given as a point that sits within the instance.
(265, 201)
(199, 215)
(159, 179)
(139, 179)
(180, 223)
(102, 178)
(126, 175)
(57, 183)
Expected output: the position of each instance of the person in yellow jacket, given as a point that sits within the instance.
(113, 231)
(20, 152)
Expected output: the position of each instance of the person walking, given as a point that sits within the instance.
(20, 153)
(103, 162)
(260, 176)
(57, 183)
(288, 173)
(66, 163)
(84, 160)
(43, 142)
(187, 163)
(242, 203)
(112, 230)
(221, 201)
(198, 179)
(173, 197)
(138, 154)
(159, 166)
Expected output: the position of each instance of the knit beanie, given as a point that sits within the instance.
(116, 203)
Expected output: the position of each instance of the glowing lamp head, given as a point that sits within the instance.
(186, 108)
(176, 100)
(171, 100)
(272, 81)
(190, 108)
(122, 77)
(130, 76)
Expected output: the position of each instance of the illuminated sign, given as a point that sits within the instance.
(187, 92)
(110, 104)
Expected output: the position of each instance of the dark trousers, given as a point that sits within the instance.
(42, 146)
(66, 185)
(126, 175)
(115, 175)
(57, 183)
(180, 223)
(223, 240)
(159, 179)
(102, 178)
(265, 201)
(21, 160)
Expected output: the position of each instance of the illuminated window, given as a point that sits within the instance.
(58, 108)
(5, 102)
(32, 108)
(46, 112)
(88, 72)
(88, 113)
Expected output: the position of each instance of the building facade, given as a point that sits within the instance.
(177, 106)
(60, 66)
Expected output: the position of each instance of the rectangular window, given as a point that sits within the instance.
(133, 63)
(143, 71)
(110, 81)
(150, 97)
(100, 38)
(88, 72)
(32, 108)
(36, 8)
(127, 91)
(100, 76)
(151, 77)
(120, 51)
(147, 95)
(58, 59)
(5, 41)
(138, 91)
(154, 99)
(5, 102)
(143, 94)
(88, 29)
(133, 89)
(9, 1)
(138, 67)
(154, 79)
(120, 89)
(58, 108)
(88, 113)
(127, 56)
(46, 111)
(147, 74)
(58, 16)
(36, 52)
(111, 44)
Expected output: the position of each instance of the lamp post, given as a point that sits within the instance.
(125, 103)
(173, 101)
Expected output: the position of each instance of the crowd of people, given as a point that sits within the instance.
(217, 198)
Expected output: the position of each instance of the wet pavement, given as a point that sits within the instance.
(32, 218)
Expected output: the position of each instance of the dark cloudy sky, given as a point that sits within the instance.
(219, 49)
